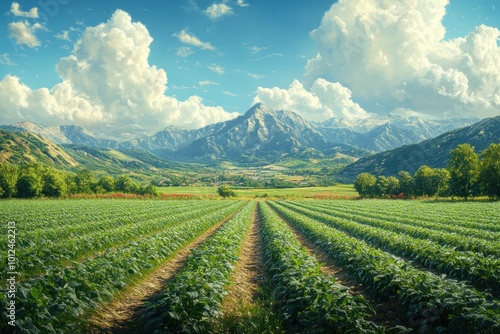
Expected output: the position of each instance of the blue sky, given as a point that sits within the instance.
(265, 43)
(230, 54)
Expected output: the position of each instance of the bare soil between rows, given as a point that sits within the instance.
(249, 272)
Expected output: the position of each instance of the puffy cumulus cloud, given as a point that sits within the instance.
(23, 33)
(108, 87)
(15, 9)
(216, 11)
(192, 113)
(57, 106)
(189, 39)
(395, 54)
(322, 101)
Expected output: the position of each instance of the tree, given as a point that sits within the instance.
(406, 185)
(71, 186)
(365, 184)
(425, 181)
(148, 190)
(54, 184)
(8, 179)
(225, 191)
(381, 186)
(464, 170)
(85, 181)
(107, 183)
(441, 181)
(393, 187)
(29, 185)
(489, 171)
(125, 184)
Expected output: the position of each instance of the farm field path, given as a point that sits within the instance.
(386, 312)
(118, 315)
(249, 272)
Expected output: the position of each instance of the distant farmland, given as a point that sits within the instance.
(340, 191)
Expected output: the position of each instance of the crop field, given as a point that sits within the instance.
(249, 266)
(337, 191)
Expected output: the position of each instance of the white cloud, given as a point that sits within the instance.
(229, 93)
(267, 56)
(216, 68)
(5, 60)
(242, 3)
(324, 100)
(24, 34)
(186, 38)
(57, 106)
(108, 87)
(256, 49)
(64, 36)
(207, 83)
(397, 56)
(184, 51)
(216, 11)
(15, 9)
(256, 76)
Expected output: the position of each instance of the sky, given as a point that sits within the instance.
(126, 69)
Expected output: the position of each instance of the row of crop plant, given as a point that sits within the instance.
(428, 302)
(459, 242)
(481, 271)
(59, 300)
(413, 214)
(69, 243)
(190, 302)
(70, 286)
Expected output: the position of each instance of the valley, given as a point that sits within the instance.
(262, 148)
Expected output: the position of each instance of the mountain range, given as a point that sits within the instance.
(433, 152)
(263, 136)
(375, 135)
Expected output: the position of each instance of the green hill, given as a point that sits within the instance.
(25, 147)
(433, 152)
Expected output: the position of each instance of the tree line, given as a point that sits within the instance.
(37, 180)
(467, 174)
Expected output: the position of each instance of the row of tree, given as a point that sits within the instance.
(466, 175)
(35, 180)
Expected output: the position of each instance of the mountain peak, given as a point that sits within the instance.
(258, 108)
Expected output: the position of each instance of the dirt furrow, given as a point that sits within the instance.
(118, 316)
(249, 271)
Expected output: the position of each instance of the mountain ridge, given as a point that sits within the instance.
(261, 135)
(372, 135)
(432, 152)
